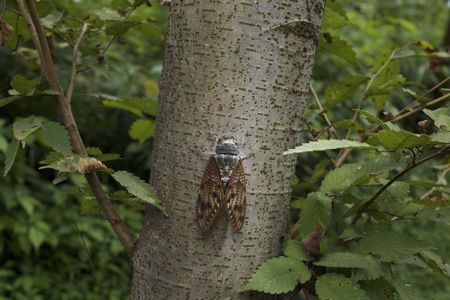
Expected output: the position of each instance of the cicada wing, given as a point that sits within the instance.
(235, 196)
(210, 196)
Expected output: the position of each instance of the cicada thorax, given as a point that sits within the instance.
(226, 163)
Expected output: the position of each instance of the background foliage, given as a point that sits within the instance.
(42, 255)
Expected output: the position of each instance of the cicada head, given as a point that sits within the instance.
(227, 145)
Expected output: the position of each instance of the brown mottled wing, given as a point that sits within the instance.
(235, 196)
(210, 195)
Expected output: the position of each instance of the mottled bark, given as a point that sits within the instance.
(231, 67)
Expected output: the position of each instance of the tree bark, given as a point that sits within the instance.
(231, 67)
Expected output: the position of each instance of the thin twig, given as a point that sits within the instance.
(420, 108)
(322, 113)
(74, 63)
(367, 205)
(91, 262)
(440, 180)
(120, 228)
(437, 86)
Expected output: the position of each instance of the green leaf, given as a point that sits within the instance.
(10, 155)
(137, 187)
(322, 145)
(391, 139)
(379, 289)
(51, 158)
(441, 117)
(351, 260)
(7, 100)
(142, 130)
(389, 245)
(23, 85)
(338, 47)
(56, 136)
(340, 179)
(373, 119)
(437, 214)
(348, 124)
(435, 262)
(67, 164)
(137, 106)
(23, 127)
(333, 286)
(342, 91)
(384, 81)
(316, 211)
(119, 28)
(406, 292)
(296, 250)
(278, 275)
(37, 234)
(334, 20)
(442, 137)
(98, 154)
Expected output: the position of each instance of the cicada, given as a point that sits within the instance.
(223, 184)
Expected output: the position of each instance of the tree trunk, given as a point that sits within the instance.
(231, 67)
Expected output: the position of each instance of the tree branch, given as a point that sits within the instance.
(414, 164)
(121, 229)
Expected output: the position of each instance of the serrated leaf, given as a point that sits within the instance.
(333, 286)
(56, 136)
(142, 130)
(343, 90)
(322, 145)
(278, 275)
(340, 179)
(23, 127)
(389, 245)
(334, 20)
(316, 210)
(23, 85)
(338, 47)
(393, 139)
(440, 116)
(137, 106)
(351, 260)
(10, 156)
(296, 250)
(137, 187)
(373, 119)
